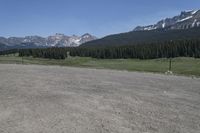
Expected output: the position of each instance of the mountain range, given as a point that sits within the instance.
(58, 40)
(186, 20)
(184, 26)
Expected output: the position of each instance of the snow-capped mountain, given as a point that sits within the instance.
(186, 20)
(59, 40)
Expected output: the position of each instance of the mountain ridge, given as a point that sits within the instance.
(185, 20)
(58, 39)
(183, 26)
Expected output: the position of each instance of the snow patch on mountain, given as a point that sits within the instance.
(198, 23)
(163, 25)
(194, 12)
(150, 28)
(193, 24)
(189, 17)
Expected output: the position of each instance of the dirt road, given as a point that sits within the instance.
(53, 99)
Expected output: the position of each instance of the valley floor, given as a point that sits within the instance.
(54, 99)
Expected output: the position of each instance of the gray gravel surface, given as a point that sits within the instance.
(53, 99)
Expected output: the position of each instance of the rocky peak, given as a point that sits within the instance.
(58, 39)
(187, 19)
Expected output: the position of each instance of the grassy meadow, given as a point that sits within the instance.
(181, 65)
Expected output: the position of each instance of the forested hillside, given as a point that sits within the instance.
(166, 49)
(135, 37)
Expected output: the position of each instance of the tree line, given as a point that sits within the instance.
(50, 53)
(184, 48)
(166, 49)
(7, 52)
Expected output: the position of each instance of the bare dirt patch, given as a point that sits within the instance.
(53, 99)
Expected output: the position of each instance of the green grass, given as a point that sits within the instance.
(183, 65)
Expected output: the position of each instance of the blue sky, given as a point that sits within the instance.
(98, 17)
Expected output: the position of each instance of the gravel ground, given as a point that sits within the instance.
(53, 99)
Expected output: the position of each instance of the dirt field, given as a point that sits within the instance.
(53, 99)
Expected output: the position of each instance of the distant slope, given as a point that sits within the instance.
(4, 47)
(135, 37)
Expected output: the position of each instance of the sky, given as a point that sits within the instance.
(98, 17)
